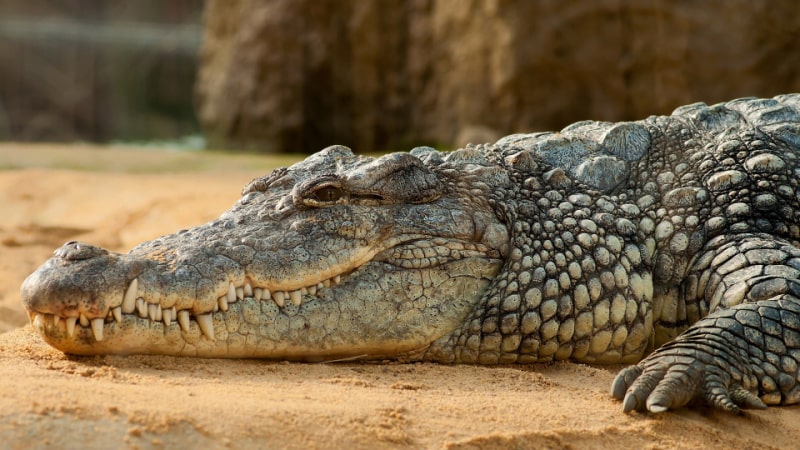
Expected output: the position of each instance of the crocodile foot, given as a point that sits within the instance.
(690, 369)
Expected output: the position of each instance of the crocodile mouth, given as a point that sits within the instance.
(134, 307)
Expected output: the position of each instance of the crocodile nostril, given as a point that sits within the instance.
(76, 251)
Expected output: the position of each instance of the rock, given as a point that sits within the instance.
(299, 75)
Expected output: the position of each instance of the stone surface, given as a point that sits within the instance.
(298, 75)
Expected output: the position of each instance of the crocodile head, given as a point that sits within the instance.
(337, 256)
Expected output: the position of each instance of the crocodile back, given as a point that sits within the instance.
(733, 166)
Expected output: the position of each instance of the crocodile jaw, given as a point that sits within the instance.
(395, 296)
(369, 314)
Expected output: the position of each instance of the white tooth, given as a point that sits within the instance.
(239, 294)
(257, 292)
(326, 283)
(266, 294)
(206, 323)
(38, 320)
(183, 319)
(97, 328)
(278, 297)
(152, 311)
(56, 319)
(296, 297)
(304, 291)
(337, 279)
(84, 320)
(231, 293)
(312, 290)
(158, 313)
(117, 312)
(129, 301)
(141, 307)
(70, 325)
(222, 302)
(166, 315)
(248, 290)
(320, 285)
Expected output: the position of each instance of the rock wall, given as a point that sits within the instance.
(298, 75)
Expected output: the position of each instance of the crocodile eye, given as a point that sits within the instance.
(327, 193)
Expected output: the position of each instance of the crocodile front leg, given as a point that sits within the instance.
(745, 353)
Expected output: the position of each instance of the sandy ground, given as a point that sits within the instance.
(117, 198)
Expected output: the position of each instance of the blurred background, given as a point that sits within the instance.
(298, 75)
(98, 70)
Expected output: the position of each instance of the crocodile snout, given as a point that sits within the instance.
(77, 281)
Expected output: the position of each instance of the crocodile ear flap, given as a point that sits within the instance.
(395, 178)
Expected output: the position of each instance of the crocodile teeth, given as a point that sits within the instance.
(166, 315)
(206, 323)
(141, 308)
(312, 290)
(247, 291)
(56, 319)
(129, 301)
(117, 312)
(71, 325)
(183, 319)
(266, 294)
(337, 279)
(97, 328)
(222, 303)
(239, 294)
(320, 285)
(154, 312)
(326, 283)
(84, 320)
(231, 296)
(257, 293)
(296, 297)
(278, 296)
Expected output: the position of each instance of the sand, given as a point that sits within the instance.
(117, 198)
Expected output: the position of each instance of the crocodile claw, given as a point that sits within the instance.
(676, 376)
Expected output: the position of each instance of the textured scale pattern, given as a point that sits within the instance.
(672, 243)
(698, 214)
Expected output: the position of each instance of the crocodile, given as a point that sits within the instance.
(669, 244)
